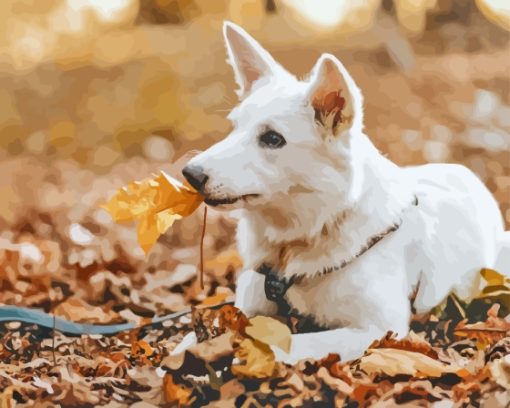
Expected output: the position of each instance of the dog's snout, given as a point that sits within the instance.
(196, 177)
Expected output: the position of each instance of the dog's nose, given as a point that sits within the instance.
(196, 177)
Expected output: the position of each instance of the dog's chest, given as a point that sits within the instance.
(323, 299)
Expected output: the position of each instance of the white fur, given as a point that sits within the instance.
(325, 194)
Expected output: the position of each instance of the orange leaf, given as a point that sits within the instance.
(175, 393)
(214, 300)
(408, 343)
(156, 203)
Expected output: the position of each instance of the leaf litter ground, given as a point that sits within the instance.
(66, 256)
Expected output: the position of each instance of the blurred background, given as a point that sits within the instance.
(97, 93)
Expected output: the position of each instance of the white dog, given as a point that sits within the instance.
(327, 224)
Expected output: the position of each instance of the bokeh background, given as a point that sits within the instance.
(97, 93)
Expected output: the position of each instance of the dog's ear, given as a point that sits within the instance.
(250, 61)
(335, 98)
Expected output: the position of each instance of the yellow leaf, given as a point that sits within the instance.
(258, 360)
(148, 233)
(394, 362)
(492, 277)
(270, 331)
(156, 203)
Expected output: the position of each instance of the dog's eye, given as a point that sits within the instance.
(272, 140)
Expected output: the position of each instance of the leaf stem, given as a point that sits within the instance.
(202, 249)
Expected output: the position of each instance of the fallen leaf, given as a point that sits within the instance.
(486, 333)
(270, 331)
(213, 349)
(156, 203)
(6, 397)
(79, 311)
(222, 262)
(257, 359)
(333, 382)
(394, 362)
(141, 348)
(175, 393)
(497, 289)
(214, 300)
(206, 323)
(494, 278)
(500, 371)
(233, 318)
(410, 343)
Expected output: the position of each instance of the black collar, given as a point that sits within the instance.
(276, 287)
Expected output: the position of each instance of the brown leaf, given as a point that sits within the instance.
(333, 382)
(410, 343)
(209, 323)
(485, 333)
(77, 310)
(213, 349)
(394, 362)
(176, 393)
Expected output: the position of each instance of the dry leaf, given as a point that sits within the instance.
(223, 261)
(79, 311)
(333, 382)
(175, 393)
(497, 288)
(410, 343)
(270, 331)
(214, 299)
(493, 277)
(394, 362)
(486, 333)
(206, 323)
(156, 203)
(257, 359)
(500, 371)
(209, 323)
(141, 348)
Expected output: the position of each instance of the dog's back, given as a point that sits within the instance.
(461, 228)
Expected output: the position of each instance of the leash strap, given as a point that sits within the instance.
(274, 286)
(40, 318)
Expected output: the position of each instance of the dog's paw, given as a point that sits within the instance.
(283, 357)
(300, 350)
(186, 343)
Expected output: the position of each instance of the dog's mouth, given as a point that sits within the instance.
(214, 202)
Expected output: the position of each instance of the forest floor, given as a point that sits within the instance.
(67, 257)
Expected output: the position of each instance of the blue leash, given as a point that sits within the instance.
(34, 316)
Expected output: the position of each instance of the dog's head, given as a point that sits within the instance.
(289, 138)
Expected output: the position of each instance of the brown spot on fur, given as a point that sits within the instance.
(290, 250)
(275, 217)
